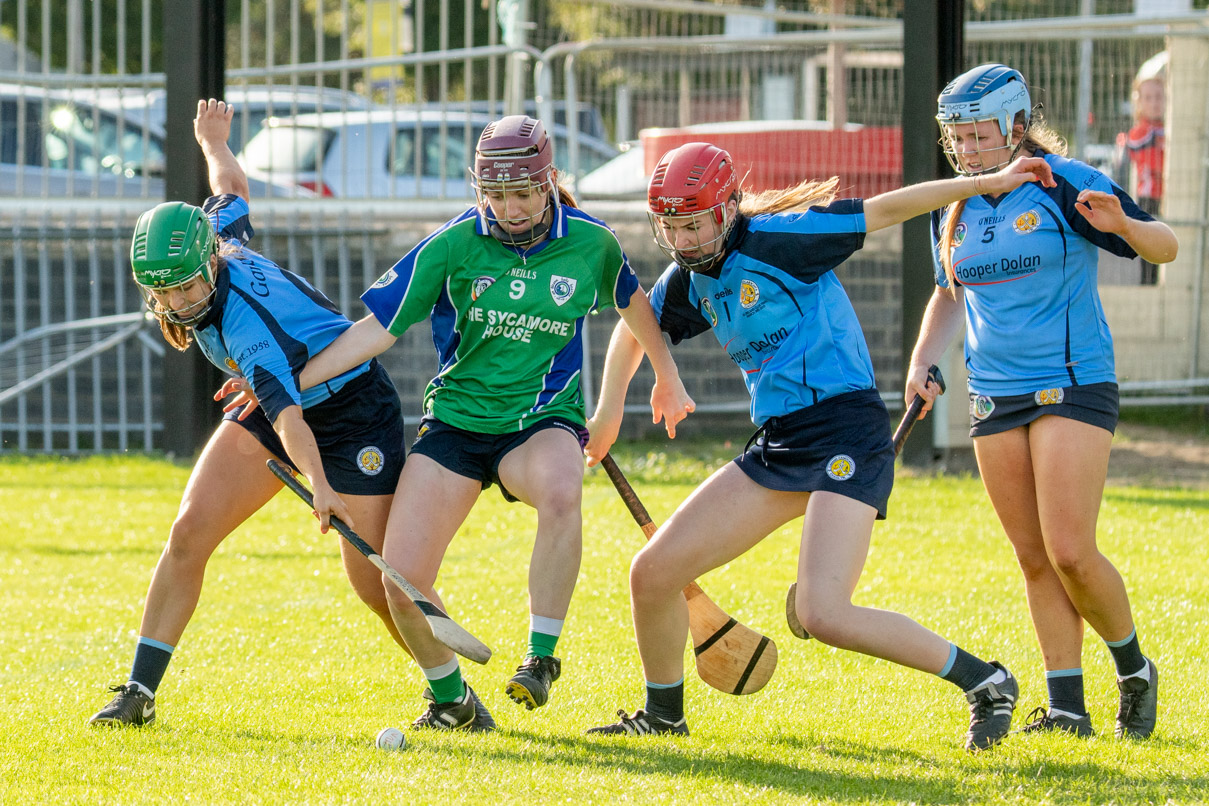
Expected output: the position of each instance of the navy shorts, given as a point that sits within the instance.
(841, 445)
(1097, 404)
(359, 431)
(478, 456)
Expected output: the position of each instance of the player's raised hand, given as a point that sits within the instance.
(213, 122)
(1015, 174)
(1102, 210)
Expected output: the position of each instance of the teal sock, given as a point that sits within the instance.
(543, 636)
(445, 682)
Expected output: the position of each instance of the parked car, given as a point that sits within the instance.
(65, 144)
(623, 177)
(253, 105)
(385, 153)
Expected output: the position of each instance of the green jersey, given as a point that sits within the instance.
(507, 323)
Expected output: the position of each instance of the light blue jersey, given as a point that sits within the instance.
(1028, 261)
(777, 308)
(266, 322)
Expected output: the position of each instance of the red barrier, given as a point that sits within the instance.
(778, 154)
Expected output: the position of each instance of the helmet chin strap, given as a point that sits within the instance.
(533, 234)
(526, 238)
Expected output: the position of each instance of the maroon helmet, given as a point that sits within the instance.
(514, 156)
(513, 149)
(693, 181)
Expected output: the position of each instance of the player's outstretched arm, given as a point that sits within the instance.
(896, 206)
(212, 127)
(361, 342)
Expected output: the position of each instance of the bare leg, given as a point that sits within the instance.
(430, 505)
(228, 484)
(1070, 461)
(1005, 462)
(835, 543)
(723, 518)
(546, 472)
(370, 513)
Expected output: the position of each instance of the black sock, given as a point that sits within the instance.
(150, 662)
(964, 670)
(1127, 655)
(1065, 687)
(666, 702)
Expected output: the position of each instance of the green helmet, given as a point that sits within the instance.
(172, 245)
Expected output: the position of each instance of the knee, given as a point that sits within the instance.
(191, 540)
(561, 501)
(1072, 562)
(1034, 565)
(826, 624)
(649, 578)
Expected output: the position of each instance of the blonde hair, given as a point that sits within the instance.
(801, 196)
(1037, 137)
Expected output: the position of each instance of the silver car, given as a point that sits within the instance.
(386, 153)
(57, 143)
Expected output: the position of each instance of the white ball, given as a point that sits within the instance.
(390, 739)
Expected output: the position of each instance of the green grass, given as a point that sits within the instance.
(283, 678)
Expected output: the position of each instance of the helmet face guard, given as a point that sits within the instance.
(514, 156)
(989, 92)
(690, 192)
(171, 250)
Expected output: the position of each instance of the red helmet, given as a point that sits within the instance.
(693, 177)
(695, 181)
(513, 149)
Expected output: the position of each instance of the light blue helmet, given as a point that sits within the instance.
(987, 92)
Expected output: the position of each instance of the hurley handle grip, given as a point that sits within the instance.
(904, 428)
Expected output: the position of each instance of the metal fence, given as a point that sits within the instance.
(81, 110)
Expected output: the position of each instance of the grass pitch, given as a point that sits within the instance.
(283, 678)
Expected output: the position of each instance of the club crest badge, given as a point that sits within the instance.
(231, 365)
(981, 407)
(959, 234)
(841, 467)
(385, 279)
(1026, 222)
(561, 288)
(480, 285)
(710, 314)
(370, 460)
(749, 293)
(1049, 397)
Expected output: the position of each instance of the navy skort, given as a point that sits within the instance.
(477, 456)
(841, 444)
(359, 431)
(1097, 404)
